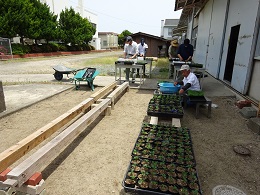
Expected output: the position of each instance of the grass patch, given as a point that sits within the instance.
(161, 68)
(101, 60)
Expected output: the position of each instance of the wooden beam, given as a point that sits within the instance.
(176, 122)
(18, 150)
(118, 91)
(36, 161)
(154, 120)
(103, 91)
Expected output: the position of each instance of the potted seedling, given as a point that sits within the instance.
(153, 185)
(194, 185)
(173, 189)
(163, 187)
(184, 191)
(171, 180)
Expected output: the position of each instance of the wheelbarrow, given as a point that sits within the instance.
(61, 69)
(87, 74)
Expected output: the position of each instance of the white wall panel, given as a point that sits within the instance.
(255, 84)
(203, 34)
(243, 13)
(215, 37)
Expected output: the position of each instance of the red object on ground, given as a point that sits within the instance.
(34, 179)
(3, 175)
(243, 103)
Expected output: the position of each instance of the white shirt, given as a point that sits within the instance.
(131, 49)
(193, 80)
(142, 48)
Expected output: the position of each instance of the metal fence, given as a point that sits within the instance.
(5, 48)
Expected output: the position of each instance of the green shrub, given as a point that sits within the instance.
(86, 47)
(19, 49)
(62, 47)
(35, 49)
(54, 47)
(92, 47)
(46, 48)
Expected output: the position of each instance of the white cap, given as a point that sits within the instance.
(185, 67)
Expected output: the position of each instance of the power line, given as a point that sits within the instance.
(114, 17)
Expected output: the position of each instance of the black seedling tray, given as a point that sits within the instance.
(165, 111)
(148, 176)
(165, 99)
(165, 143)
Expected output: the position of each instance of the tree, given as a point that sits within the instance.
(122, 36)
(73, 28)
(15, 18)
(44, 23)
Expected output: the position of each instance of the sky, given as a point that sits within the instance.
(135, 15)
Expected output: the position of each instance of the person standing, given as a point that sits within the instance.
(185, 51)
(130, 52)
(142, 49)
(172, 51)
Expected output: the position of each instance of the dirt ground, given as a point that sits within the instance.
(96, 161)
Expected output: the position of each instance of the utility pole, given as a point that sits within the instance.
(80, 5)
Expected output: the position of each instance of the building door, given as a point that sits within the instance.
(233, 38)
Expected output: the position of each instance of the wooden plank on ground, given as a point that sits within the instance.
(176, 122)
(36, 161)
(154, 120)
(118, 91)
(18, 150)
(103, 91)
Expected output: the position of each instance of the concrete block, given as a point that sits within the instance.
(2, 98)
(254, 125)
(248, 112)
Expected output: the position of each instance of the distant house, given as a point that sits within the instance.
(157, 46)
(109, 40)
(167, 27)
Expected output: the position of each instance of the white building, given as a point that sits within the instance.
(109, 40)
(167, 27)
(56, 6)
(226, 38)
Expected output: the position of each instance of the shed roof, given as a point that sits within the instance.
(187, 8)
(148, 35)
(107, 33)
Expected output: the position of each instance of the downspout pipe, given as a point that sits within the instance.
(252, 53)
(223, 38)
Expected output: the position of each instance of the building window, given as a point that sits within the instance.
(170, 32)
(194, 36)
(105, 43)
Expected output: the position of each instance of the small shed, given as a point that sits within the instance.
(157, 46)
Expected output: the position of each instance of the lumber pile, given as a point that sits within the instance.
(26, 176)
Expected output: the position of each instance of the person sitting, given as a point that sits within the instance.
(190, 80)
